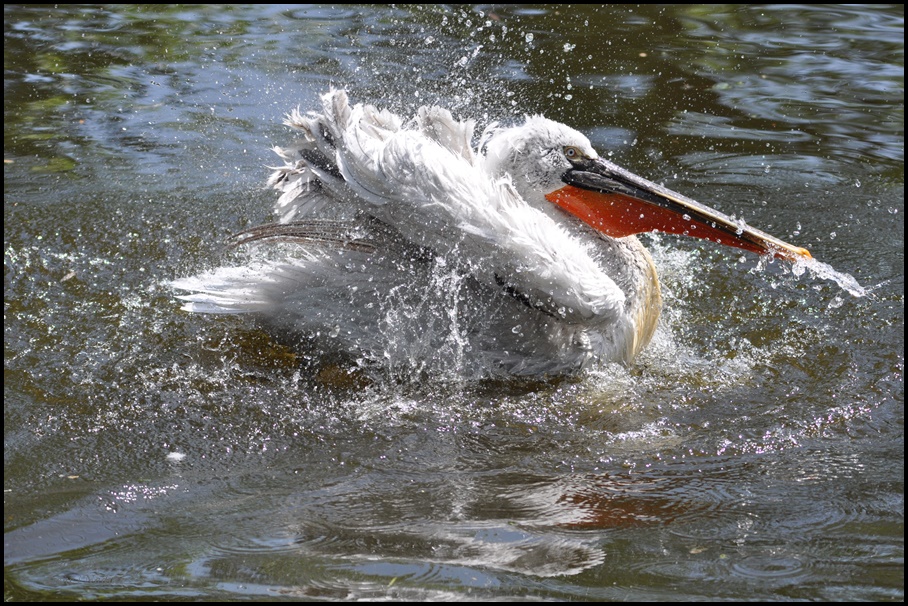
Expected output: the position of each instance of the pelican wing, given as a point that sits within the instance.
(427, 182)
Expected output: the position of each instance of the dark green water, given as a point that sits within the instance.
(756, 452)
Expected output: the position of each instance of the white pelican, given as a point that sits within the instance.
(516, 256)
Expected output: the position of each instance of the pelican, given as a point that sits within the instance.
(402, 242)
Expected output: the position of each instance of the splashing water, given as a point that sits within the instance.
(818, 269)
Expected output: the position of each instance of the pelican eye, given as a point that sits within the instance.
(573, 154)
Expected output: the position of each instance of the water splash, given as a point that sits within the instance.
(818, 269)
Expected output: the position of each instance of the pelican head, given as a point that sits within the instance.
(546, 157)
(535, 154)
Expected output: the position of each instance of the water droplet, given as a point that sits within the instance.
(529, 37)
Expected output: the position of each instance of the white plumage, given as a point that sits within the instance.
(402, 244)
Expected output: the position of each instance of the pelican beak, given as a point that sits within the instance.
(619, 203)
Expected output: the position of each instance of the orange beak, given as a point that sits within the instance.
(619, 203)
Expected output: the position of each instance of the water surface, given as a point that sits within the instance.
(756, 451)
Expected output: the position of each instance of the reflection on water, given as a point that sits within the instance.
(756, 449)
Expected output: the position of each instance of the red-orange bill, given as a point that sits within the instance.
(619, 203)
